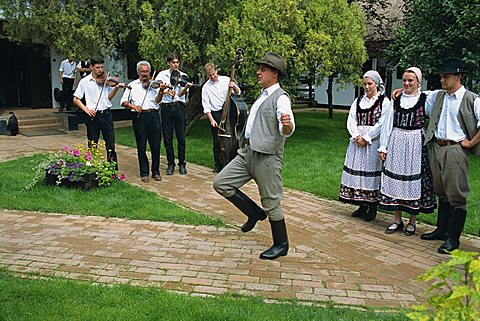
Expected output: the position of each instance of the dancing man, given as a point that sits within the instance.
(260, 156)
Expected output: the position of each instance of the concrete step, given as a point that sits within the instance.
(39, 121)
(39, 127)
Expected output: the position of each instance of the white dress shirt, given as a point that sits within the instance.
(449, 126)
(214, 94)
(164, 76)
(67, 68)
(136, 96)
(89, 88)
(283, 106)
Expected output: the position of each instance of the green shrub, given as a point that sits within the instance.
(455, 290)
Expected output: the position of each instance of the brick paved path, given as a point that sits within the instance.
(333, 257)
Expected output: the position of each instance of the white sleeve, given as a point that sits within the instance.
(352, 120)
(126, 95)
(430, 102)
(284, 106)
(476, 109)
(205, 100)
(387, 128)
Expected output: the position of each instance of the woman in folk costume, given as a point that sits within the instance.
(406, 178)
(362, 168)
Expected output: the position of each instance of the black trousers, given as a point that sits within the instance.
(217, 115)
(102, 122)
(67, 93)
(173, 118)
(147, 127)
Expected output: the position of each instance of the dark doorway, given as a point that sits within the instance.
(25, 78)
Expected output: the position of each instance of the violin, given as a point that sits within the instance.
(184, 79)
(105, 81)
(155, 84)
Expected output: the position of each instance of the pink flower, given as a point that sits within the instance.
(88, 155)
(65, 149)
(122, 177)
(76, 152)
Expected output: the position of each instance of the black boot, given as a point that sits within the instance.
(280, 241)
(248, 207)
(440, 233)
(361, 211)
(371, 214)
(455, 228)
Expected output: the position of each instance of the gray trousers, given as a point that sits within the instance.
(265, 169)
(449, 165)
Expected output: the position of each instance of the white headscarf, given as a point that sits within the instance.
(417, 72)
(375, 76)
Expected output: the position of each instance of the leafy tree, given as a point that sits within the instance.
(185, 27)
(437, 29)
(322, 37)
(76, 28)
(333, 44)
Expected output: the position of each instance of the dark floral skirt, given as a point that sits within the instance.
(358, 196)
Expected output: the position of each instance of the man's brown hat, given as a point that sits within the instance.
(275, 61)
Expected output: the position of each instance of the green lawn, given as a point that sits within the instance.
(119, 200)
(314, 158)
(57, 299)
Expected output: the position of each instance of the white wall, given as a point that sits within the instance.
(116, 67)
(341, 96)
(345, 96)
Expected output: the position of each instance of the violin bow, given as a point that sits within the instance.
(101, 92)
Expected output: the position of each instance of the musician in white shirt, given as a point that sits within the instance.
(214, 94)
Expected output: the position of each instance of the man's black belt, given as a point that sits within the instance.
(103, 111)
(174, 104)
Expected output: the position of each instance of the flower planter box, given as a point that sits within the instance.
(89, 181)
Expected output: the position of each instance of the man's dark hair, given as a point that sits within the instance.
(173, 56)
(96, 60)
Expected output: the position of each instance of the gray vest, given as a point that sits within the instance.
(466, 117)
(265, 136)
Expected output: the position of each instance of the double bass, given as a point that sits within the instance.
(234, 115)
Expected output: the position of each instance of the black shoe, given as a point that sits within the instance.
(280, 241)
(252, 221)
(437, 234)
(448, 246)
(248, 207)
(144, 179)
(394, 227)
(410, 232)
(157, 177)
(275, 251)
(182, 169)
(170, 169)
(455, 228)
(371, 214)
(361, 211)
(443, 218)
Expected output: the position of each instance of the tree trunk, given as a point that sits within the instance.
(311, 91)
(330, 97)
